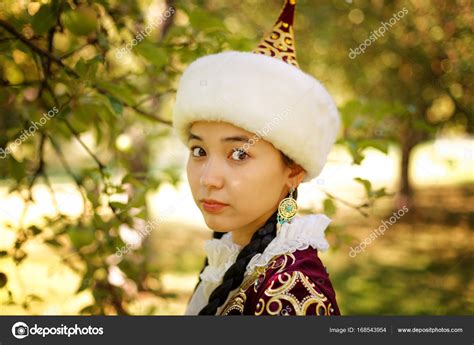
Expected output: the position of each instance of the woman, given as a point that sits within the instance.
(256, 127)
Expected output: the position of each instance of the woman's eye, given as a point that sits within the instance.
(196, 151)
(239, 154)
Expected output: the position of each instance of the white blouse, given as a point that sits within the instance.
(303, 232)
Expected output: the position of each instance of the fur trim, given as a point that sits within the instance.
(265, 96)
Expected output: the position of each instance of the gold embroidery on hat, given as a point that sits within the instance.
(280, 42)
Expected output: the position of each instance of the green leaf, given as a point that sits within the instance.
(205, 20)
(17, 169)
(355, 151)
(33, 297)
(35, 230)
(43, 20)
(53, 242)
(99, 222)
(81, 21)
(118, 205)
(329, 207)
(81, 237)
(381, 145)
(156, 55)
(129, 178)
(88, 310)
(120, 92)
(116, 105)
(81, 67)
(367, 185)
(87, 69)
(103, 41)
(86, 281)
(381, 193)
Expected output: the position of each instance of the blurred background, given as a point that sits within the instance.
(96, 216)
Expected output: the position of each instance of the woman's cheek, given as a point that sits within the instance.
(193, 176)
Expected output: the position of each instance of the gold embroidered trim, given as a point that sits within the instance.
(282, 293)
(237, 301)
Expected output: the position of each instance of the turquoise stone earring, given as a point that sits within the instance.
(287, 209)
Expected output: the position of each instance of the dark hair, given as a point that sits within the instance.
(234, 275)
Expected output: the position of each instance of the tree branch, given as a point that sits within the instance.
(53, 58)
(68, 169)
(356, 207)
(135, 107)
(8, 27)
(78, 138)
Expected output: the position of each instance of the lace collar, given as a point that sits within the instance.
(303, 232)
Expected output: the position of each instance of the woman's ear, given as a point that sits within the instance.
(296, 176)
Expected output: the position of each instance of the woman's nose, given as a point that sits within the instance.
(212, 174)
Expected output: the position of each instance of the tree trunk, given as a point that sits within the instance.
(408, 143)
(405, 183)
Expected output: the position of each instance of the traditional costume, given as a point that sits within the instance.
(265, 92)
(288, 278)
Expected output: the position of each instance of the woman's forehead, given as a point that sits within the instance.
(224, 132)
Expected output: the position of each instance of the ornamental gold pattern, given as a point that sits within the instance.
(289, 293)
(281, 262)
(283, 293)
(280, 42)
(237, 302)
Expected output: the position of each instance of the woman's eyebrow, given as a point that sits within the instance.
(240, 138)
(193, 136)
(236, 138)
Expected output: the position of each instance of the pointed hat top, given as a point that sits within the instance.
(280, 42)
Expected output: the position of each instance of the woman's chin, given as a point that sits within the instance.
(217, 223)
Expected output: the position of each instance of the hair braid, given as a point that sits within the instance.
(234, 275)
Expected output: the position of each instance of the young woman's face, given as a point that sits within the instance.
(250, 183)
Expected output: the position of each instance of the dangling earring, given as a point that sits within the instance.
(287, 209)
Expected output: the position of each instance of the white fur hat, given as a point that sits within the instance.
(263, 92)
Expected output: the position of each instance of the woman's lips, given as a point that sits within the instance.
(213, 207)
